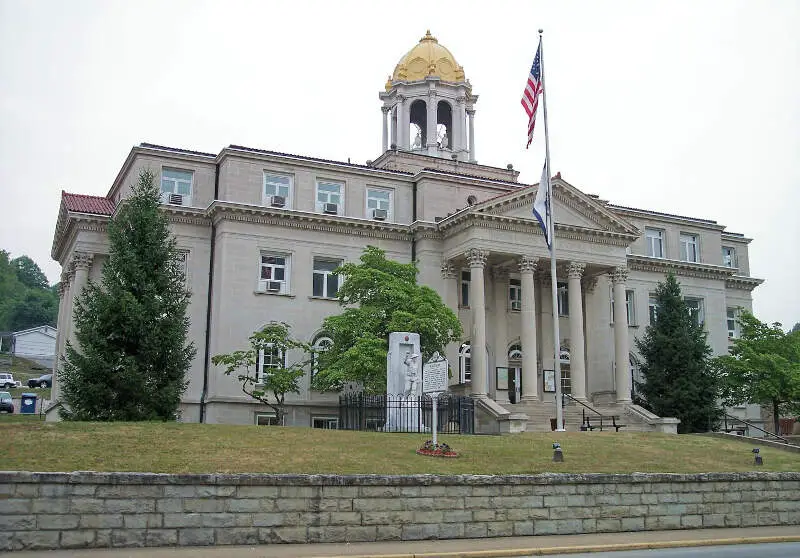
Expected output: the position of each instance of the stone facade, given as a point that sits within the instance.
(469, 228)
(88, 510)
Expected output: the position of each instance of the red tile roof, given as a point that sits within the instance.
(97, 205)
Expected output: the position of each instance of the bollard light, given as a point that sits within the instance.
(758, 460)
(558, 455)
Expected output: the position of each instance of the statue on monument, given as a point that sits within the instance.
(411, 362)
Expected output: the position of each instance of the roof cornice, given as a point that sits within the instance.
(679, 267)
(667, 218)
(743, 283)
(219, 211)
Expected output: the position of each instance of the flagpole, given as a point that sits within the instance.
(552, 227)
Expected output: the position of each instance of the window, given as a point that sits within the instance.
(732, 314)
(563, 300)
(325, 283)
(330, 197)
(652, 308)
(269, 357)
(465, 363)
(182, 263)
(266, 419)
(689, 248)
(696, 309)
(515, 294)
(321, 344)
(515, 352)
(326, 423)
(729, 257)
(655, 242)
(630, 306)
(465, 280)
(273, 274)
(176, 187)
(277, 190)
(379, 204)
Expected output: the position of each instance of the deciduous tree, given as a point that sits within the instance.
(381, 296)
(262, 370)
(763, 367)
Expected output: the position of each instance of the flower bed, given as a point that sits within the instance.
(436, 450)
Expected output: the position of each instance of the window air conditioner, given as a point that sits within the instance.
(176, 199)
(516, 305)
(274, 286)
(330, 208)
(379, 214)
(277, 201)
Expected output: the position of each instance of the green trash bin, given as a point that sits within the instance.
(27, 405)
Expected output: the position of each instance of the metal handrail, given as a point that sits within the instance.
(751, 425)
(595, 411)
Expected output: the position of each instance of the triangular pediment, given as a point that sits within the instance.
(572, 208)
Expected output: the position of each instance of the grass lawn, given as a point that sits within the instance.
(32, 445)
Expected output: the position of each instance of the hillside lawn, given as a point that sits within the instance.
(30, 444)
(23, 370)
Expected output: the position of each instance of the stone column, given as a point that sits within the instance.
(530, 387)
(546, 322)
(430, 124)
(477, 302)
(577, 358)
(82, 263)
(500, 276)
(385, 127)
(623, 374)
(450, 281)
(63, 293)
(402, 123)
(471, 113)
(459, 126)
(68, 300)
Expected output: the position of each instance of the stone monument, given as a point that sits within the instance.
(403, 385)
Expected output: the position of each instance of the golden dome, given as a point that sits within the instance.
(428, 58)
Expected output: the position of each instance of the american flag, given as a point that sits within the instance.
(530, 97)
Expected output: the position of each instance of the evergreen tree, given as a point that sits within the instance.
(132, 357)
(678, 380)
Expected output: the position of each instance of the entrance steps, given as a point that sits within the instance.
(540, 412)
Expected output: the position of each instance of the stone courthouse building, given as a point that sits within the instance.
(260, 232)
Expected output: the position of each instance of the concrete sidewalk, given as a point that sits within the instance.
(467, 548)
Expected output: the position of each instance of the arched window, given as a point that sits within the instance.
(444, 125)
(321, 344)
(465, 363)
(418, 128)
(515, 352)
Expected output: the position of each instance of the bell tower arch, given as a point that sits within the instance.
(428, 104)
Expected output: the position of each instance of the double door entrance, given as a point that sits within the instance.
(515, 382)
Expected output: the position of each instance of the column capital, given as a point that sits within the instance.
(63, 285)
(471, 111)
(461, 100)
(619, 275)
(82, 260)
(401, 98)
(448, 270)
(476, 257)
(589, 284)
(528, 264)
(386, 110)
(575, 270)
(500, 272)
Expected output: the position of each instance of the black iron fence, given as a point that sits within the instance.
(398, 413)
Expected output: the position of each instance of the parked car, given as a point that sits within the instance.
(43, 381)
(6, 405)
(7, 380)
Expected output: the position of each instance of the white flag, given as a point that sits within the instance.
(541, 206)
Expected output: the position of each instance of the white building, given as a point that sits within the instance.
(261, 230)
(37, 344)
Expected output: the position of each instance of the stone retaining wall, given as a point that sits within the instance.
(87, 509)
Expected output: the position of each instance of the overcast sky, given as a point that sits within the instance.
(687, 107)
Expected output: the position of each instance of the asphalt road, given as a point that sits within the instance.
(770, 550)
